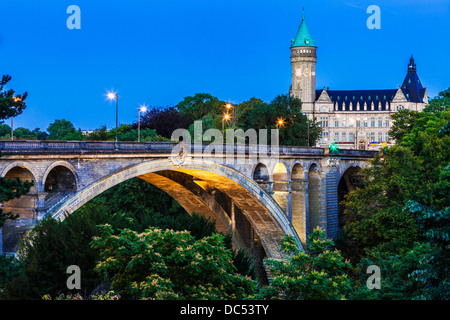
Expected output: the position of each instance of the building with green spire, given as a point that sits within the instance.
(353, 119)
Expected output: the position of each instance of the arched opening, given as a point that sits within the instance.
(60, 183)
(261, 176)
(314, 218)
(268, 222)
(350, 180)
(281, 190)
(299, 200)
(25, 207)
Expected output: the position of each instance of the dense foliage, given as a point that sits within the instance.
(166, 264)
(399, 221)
(10, 106)
(318, 274)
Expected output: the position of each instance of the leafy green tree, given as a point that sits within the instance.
(63, 130)
(164, 120)
(201, 104)
(166, 264)
(318, 274)
(5, 131)
(11, 106)
(433, 270)
(294, 130)
(439, 103)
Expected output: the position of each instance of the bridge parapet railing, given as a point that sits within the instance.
(167, 147)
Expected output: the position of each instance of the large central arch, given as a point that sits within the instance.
(267, 219)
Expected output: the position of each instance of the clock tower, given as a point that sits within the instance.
(303, 61)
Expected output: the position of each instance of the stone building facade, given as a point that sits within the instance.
(353, 119)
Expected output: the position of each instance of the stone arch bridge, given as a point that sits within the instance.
(260, 196)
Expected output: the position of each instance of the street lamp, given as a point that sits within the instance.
(229, 106)
(143, 108)
(280, 122)
(307, 126)
(226, 117)
(16, 99)
(112, 96)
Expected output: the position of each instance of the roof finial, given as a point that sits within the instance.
(303, 14)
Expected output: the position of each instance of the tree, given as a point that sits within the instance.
(11, 106)
(165, 264)
(318, 274)
(63, 130)
(164, 120)
(439, 103)
(201, 104)
(294, 130)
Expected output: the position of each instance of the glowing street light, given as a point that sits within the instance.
(142, 108)
(16, 99)
(111, 96)
(280, 122)
(226, 117)
(229, 106)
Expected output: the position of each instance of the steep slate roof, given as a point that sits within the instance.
(344, 97)
(411, 88)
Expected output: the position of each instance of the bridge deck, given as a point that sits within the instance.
(46, 147)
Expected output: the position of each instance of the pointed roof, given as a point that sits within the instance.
(412, 87)
(303, 38)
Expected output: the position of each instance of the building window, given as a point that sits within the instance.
(387, 137)
(365, 123)
(324, 137)
(380, 136)
(387, 122)
(336, 136)
(324, 122)
(343, 123)
(344, 137)
(380, 122)
(358, 123)
(336, 123)
(350, 137)
(372, 122)
(372, 137)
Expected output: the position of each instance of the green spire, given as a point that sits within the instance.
(303, 38)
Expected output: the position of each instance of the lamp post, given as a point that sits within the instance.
(141, 109)
(307, 126)
(16, 99)
(229, 106)
(111, 96)
(226, 117)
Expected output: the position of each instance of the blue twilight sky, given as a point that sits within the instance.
(159, 51)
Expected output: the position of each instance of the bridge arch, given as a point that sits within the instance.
(63, 164)
(265, 216)
(349, 180)
(26, 204)
(314, 189)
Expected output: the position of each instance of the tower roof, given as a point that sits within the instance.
(303, 38)
(412, 86)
